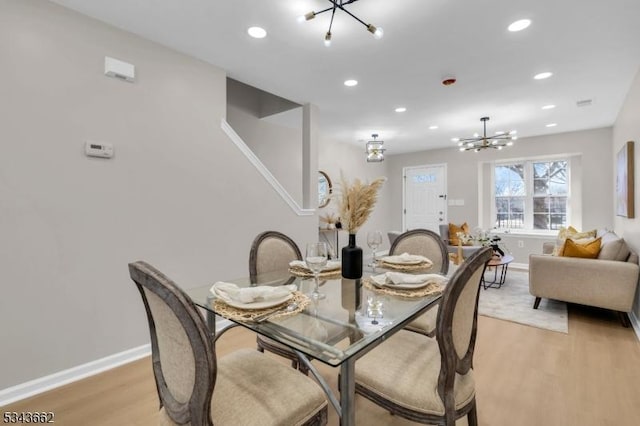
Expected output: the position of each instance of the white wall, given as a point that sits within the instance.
(177, 193)
(627, 128)
(594, 146)
(336, 156)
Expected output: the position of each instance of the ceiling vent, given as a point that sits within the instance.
(584, 103)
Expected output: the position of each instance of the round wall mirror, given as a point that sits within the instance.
(324, 189)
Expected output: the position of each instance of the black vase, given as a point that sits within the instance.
(352, 259)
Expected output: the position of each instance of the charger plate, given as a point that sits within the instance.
(237, 314)
(427, 290)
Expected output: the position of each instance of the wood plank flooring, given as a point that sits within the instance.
(525, 377)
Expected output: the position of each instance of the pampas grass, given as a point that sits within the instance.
(357, 200)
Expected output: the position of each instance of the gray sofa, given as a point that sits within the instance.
(609, 282)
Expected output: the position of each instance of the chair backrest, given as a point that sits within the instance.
(182, 352)
(425, 243)
(457, 322)
(272, 251)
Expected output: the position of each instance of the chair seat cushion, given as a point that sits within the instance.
(404, 370)
(252, 388)
(425, 323)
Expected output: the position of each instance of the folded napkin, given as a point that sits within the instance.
(251, 294)
(406, 258)
(398, 278)
(331, 265)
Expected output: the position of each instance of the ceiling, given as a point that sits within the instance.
(591, 46)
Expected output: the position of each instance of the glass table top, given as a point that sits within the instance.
(348, 319)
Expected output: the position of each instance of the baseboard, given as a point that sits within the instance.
(519, 266)
(635, 323)
(52, 381)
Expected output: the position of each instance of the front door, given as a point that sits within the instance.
(425, 197)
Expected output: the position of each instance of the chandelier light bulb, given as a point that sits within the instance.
(327, 39)
(309, 16)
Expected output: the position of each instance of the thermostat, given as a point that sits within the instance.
(98, 149)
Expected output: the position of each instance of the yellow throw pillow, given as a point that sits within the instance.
(589, 250)
(453, 232)
(572, 233)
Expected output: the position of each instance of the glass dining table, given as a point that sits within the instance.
(348, 322)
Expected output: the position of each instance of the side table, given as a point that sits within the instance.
(497, 262)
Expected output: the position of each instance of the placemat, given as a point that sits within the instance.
(424, 266)
(305, 273)
(236, 314)
(428, 290)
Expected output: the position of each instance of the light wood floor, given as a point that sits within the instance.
(525, 377)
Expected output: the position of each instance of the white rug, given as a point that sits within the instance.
(513, 302)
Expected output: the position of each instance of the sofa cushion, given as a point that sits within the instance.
(614, 249)
(453, 232)
(572, 233)
(589, 250)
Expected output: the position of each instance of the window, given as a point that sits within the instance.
(532, 195)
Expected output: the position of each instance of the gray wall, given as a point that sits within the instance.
(177, 193)
(627, 128)
(464, 169)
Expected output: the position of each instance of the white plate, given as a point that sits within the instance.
(394, 260)
(401, 286)
(256, 305)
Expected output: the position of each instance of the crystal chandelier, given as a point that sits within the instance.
(478, 143)
(340, 4)
(375, 151)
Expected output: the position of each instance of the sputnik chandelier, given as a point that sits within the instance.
(478, 143)
(340, 4)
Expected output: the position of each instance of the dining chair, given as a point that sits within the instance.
(196, 388)
(425, 243)
(272, 251)
(431, 380)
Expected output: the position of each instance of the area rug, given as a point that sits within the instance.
(513, 302)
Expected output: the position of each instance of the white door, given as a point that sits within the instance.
(425, 197)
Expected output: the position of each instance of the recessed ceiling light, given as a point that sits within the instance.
(351, 83)
(433, 127)
(257, 32)
(548, 107)
(519, 25)
(401, 109)
(543, 75)
(552, 125)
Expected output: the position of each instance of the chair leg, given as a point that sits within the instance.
(537, 303)
(472, 416)
(624, 319)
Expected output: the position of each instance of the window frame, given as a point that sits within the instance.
(527, 163)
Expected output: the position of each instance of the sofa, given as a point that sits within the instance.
(608, 281)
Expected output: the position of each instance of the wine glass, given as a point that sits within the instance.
(316, 258)
(374, 309)
(374, 240)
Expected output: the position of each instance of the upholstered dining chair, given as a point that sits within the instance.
(428, 244)
(431, 380)
(272, 251)
(196, 388)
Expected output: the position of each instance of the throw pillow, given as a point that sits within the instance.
(616, 249)
(572, 233)
(453, 232)
(589, 250)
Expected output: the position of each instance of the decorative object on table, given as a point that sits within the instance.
(374, 240)
(478, 143)
(357, 200)
(328, 220)
(330, 270)
(625, 181)
(340, 5)
(316, 258)
(406, 262)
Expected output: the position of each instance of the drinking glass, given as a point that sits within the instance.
(374, 240)
(374, 309)
(316, 258)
